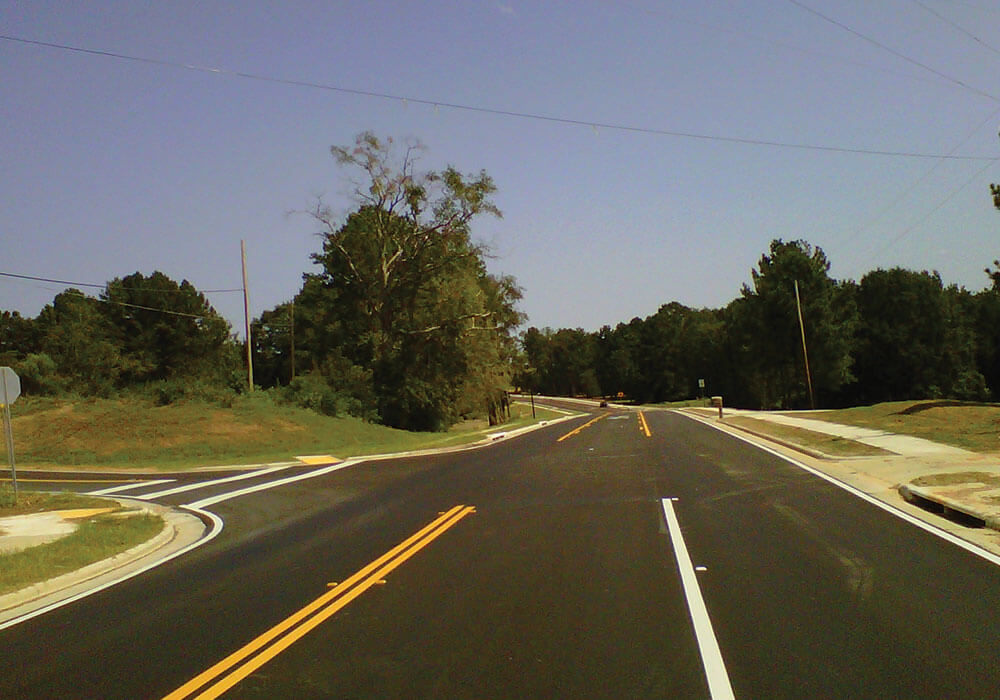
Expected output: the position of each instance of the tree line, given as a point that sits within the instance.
(400, 323)
(897, 334)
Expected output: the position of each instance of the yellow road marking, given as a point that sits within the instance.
(576, 430)
(297, 625)
(78, 513)
(643, 425)
(318, 459)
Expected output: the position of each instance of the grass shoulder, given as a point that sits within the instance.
(135, 433)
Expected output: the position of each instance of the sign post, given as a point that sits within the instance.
(10, 389)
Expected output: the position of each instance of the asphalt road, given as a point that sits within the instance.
(564, 582)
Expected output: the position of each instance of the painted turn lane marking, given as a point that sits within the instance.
(585, 425)
(268, 645)
(643, 425)
(719, 687)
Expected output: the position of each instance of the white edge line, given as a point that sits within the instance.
(217, 522)
(913, 520)
(127, 487)
(211, 482)
(212, 500)
(711, 657)
(217, 526)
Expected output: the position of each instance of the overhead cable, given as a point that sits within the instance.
(893, 51)
(103, 286)
(512, 113)
(958, 27)
(144, 308)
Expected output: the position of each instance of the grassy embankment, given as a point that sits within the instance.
(970, 426)
(96, 538)
(137, 434)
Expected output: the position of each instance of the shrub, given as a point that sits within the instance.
(37, 372)
(169, 391)
(312, 391)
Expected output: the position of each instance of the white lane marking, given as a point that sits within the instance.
(212, 500)
(913, 520)
(127, 487)
(217, 526)
(206, 484)
(715, 669)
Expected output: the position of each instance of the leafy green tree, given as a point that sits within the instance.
(771, 341)
(403, 291)
(166, 330)
(76, 335)
(272, 346)
(18, 337)
(916, 339)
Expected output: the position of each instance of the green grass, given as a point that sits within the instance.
(971, 426)
(37, 502)
(136, 434)
(95, 539)
(827, 444)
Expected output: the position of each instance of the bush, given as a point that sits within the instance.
(37, 372)
(169, 391)
(312, 391)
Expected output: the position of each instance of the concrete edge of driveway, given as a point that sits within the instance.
(180, 530)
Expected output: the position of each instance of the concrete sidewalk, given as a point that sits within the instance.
(905, 445)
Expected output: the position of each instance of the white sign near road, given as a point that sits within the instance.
(10, 389)
(10, 385)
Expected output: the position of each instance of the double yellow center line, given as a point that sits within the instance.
(577, 430)
(643, 425)
(240, 664)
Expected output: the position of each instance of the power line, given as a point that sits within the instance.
(909, 229)
(144, 308)
(961, 29)
(512, 113)
(882, 46)
(911, 187)
(104, 286)
(742, 33)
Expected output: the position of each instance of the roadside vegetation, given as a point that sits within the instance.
(136, 433)
(95, 539)
(397, 323)
(894, 335)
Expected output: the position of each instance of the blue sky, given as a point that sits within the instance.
(108, 166)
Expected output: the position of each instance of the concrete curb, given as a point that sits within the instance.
(15, 603)
(920, 495)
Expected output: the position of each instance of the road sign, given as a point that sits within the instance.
(10, 385)
(10, 389)
(701, 383)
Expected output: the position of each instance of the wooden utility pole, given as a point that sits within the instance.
(805, 354)
(291, 324)
(246, 314)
